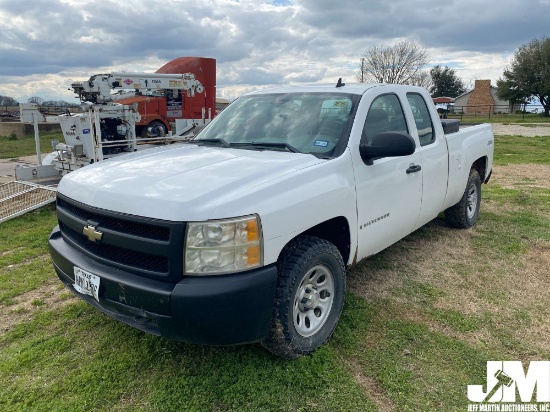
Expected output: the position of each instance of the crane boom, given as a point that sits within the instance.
(98, 88)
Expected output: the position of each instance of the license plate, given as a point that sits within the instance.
(86, 283)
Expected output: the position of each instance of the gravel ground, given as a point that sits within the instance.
(520, 130)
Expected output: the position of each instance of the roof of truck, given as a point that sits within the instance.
(353, 88)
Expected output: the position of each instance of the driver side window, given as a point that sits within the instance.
(385, 115)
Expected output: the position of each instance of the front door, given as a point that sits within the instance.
(389, 191)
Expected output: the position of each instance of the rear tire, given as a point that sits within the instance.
(309, 298)
(464, 214)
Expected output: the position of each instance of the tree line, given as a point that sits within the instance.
(7, 101)
(526, 78)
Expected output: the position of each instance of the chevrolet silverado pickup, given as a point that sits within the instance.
(244, 233)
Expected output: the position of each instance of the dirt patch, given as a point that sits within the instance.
(425, 257)
(516, 176)
(370, 385)
(12, 251)
(28, 304)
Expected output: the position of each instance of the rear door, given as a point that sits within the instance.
(434, 154)
(388, 194)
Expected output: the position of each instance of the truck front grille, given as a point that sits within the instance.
(117, 254)
(127, 226)
(144, 246)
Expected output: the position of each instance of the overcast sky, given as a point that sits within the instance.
(44, 45)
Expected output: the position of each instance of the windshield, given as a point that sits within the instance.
(316, 123)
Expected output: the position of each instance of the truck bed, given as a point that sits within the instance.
(466, 146)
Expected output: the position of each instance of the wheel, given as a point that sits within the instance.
(309, 298)
(153, 129)
(464, 214)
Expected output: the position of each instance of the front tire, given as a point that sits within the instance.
(464, 214)
(309, 298)
(153, 129)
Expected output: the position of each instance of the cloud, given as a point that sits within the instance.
(257, 43)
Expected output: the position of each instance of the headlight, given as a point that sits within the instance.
(217, 247)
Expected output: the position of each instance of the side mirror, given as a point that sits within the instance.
(387, 144)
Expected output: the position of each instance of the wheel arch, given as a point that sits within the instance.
(335, 230)
(481, 166)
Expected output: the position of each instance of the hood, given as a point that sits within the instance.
(183, 183)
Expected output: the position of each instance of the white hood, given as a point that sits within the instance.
(178, 183)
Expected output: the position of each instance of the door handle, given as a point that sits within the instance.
(414, 169)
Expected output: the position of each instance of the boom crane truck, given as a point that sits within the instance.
(177, 100)
(108, 127)
(159, 109)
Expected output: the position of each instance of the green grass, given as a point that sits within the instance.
(109, 366)
(517, 149)
(12, 148)
(420, 321)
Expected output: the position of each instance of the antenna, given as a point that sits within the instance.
(340, 84)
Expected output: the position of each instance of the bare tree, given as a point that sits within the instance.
(399, 64)
(8, 101)
(422, 79)
(36, 100)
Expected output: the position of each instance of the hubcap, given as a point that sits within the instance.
(471, 206)
(313, 300)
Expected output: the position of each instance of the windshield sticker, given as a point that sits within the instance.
(340, 103)
(322, 143)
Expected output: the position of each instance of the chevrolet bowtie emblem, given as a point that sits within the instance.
(92, 234)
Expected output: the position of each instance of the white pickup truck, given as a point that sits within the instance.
(244, 233)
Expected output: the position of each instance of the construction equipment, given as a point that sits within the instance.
(107, 128)
(108, 124)
(165, 107)
(98, 88)
(161, 109)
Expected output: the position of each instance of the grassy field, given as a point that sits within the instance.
(420, 322)
(12, 147)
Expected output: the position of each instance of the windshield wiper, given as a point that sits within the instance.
(268, 144)
(220, 141)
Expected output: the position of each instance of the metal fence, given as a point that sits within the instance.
(12, 112)
(17, 198)
(494, 111)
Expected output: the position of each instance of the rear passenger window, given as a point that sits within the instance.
(385, 115)
(422, 118)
